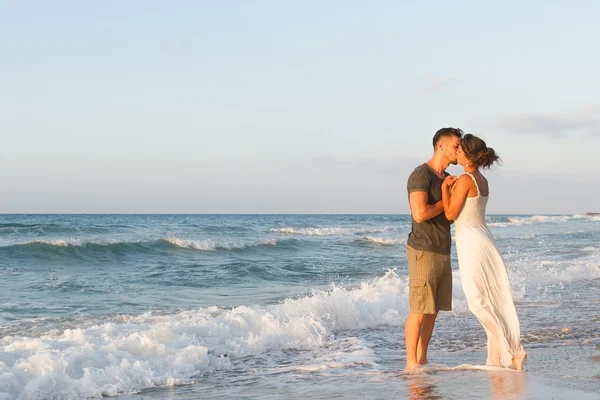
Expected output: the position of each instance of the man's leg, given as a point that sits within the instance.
(442, 291)
(412, 332)
(425, 336)
(421, 301)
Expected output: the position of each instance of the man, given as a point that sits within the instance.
(428, 247)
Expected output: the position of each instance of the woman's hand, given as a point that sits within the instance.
(449, 181)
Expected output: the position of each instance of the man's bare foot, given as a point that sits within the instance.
(411, 366)
(518, 361)
(423, 362)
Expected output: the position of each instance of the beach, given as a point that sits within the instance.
(278, 306)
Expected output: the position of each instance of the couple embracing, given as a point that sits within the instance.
(437, 198)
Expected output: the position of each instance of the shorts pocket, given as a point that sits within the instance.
(417, 282)
(419, 255)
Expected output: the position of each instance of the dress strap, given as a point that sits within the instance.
(476, 185)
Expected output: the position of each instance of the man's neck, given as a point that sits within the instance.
(438, 164)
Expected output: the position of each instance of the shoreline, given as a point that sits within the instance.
(458, 376)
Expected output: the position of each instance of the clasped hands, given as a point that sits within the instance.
(449, 182)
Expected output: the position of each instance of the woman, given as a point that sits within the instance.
(482, 270)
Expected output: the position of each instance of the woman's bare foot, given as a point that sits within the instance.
(518, 361)
(411, 366)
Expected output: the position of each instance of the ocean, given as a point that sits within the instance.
(278, 306)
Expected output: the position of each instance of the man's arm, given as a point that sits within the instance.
(420, 210)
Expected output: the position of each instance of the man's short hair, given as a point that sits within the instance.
(446, 132)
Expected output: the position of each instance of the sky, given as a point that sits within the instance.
(292, 107)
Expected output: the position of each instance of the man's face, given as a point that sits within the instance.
(450, 146)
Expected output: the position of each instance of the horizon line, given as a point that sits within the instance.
(260, 213)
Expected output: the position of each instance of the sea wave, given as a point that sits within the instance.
(382, 241)
(533, 278)
(19, 225)
(588, 217)
(24, 229)
(152, 350)
(212, 245)
(537, 219)
(334, 231)
(49, 245)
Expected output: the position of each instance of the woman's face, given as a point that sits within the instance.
(461, 158)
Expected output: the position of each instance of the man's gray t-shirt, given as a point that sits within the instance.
(434, 234)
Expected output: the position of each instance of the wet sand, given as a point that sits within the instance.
(565, 372)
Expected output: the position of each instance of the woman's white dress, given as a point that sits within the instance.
(485, 282)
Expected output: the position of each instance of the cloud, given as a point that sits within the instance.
(434, 84)
(558, 124)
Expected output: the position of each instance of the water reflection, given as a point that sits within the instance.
(508, 385)
(421, 387)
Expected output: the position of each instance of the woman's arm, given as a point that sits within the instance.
(453, 198)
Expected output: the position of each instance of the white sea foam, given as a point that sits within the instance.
(535, 219)
(539, 219)
(150, 350)
(66, 242)
(212, 245)
(381, 241)
(550, 273)
(532, 278)
(206, 245)
(525, 237)
(344, 353)
(587, 217)
(498, 224)
(329, 231)
(57, 242)
(361, 231)
(310, 231)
